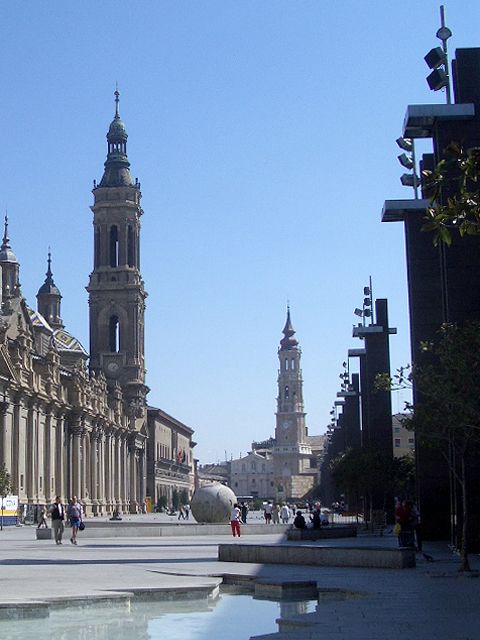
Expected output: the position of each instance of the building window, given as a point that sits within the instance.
(130, 247)
(97, 247)
(114, 246)
(114, 334)
(411, 441)
(397, 442)
(293, 365)
(21, 481)
(243, 468)
(286, 364)
(397, 429)
(254, 466)
(287, 393)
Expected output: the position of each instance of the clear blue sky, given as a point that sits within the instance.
(263, 134)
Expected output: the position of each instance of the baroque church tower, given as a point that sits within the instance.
(116, 289)
(292, 453)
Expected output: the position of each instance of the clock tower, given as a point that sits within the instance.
(116, 289)
(292, 453)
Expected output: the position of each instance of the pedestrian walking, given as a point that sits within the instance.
(235, 516)
(42, 518)
(57, 512)
(75, 515)
(285, 513)
(276, 514)
(267, 512)
(244, 510)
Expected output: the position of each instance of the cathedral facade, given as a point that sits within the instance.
(72, 422)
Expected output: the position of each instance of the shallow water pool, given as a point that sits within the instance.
(233, 617)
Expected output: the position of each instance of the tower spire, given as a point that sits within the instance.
(288, 341)
(6, 239)
(49, 298)
(117, 100)
(117, 166)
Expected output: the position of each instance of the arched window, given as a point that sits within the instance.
(287, 393)
(293, 364)
(97, 248)
(130, 247)
(286, 364)
(114, 246)
(114, 334)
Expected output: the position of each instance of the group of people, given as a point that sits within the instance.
(274, 514)
(317, 518)
(59, 513)
(407, 519)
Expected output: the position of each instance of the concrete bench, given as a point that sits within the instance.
(322, 534)
(314, 555)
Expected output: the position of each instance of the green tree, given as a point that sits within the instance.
(184, 497)
(175, 499)
(5, 489)
(454, 192)
(447, 415)
(162, 503)
(361, 472)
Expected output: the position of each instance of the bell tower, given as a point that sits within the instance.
(290, 428)
(292, 452)
(116, 289)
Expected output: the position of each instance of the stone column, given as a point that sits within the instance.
(30, 441)
(48, 467)
(107, 469)
(133, 476)
(77, 432)
(118, 471)
(124, 473)
(5, 449)
(94, 469)
(101, 470)
(16, 444)
(60, 456)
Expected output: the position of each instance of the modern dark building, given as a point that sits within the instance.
(443, 282)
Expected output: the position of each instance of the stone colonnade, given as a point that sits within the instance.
(50, 450)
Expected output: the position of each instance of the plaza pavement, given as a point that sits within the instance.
(432, 601)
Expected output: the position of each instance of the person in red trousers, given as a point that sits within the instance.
(235, 516)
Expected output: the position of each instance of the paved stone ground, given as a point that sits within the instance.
(431, 601)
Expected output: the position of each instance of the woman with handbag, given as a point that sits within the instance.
(75, 515)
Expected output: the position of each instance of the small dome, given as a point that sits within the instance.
(7, 255)
(117, 131)
(50, 289)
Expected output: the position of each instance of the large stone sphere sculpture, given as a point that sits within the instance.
(212, 503)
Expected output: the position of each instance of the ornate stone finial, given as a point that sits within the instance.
(117, 100)
(6, 239)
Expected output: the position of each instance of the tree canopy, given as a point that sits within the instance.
(453, 188)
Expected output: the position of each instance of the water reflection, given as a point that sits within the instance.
(236, 617)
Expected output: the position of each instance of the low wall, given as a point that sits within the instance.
(133, 530)
(323, 533)
(373, 557)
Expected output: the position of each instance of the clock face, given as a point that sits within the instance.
(285, 424)
(113, 368)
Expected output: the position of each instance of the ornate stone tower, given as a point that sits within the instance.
(49, 299)
(116, 289)
(292, 453)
